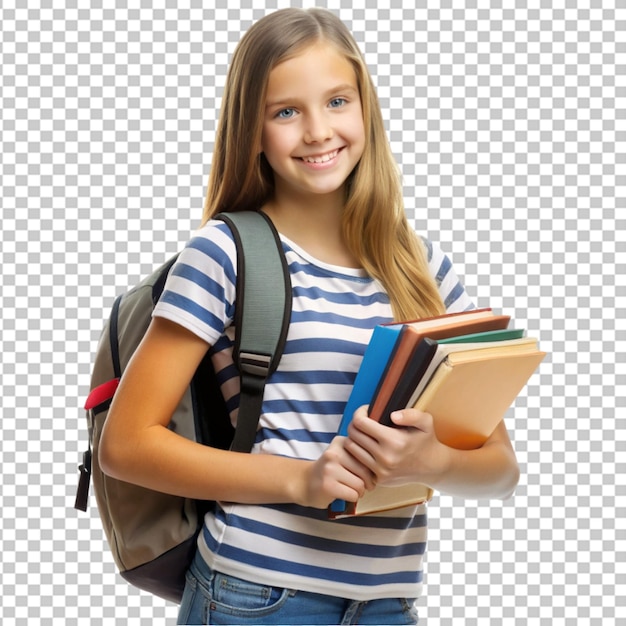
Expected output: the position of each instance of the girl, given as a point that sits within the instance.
(301, 138)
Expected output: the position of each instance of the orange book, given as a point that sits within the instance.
(471, 391)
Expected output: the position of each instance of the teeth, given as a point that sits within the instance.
(321, 159)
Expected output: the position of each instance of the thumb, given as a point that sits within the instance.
(399, 418)
(411, 418)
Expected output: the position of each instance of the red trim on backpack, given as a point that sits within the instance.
(101, 393)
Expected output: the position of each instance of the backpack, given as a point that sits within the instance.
(153, 535)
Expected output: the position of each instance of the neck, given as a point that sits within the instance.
(314, 224)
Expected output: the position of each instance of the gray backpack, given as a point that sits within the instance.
(152, 535)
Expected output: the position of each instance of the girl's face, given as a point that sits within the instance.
(313, 132)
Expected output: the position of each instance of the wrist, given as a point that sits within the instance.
(443, 463)
(296, 481)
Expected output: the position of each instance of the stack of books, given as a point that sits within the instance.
(465, 369)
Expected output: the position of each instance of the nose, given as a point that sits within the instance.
(318, 128)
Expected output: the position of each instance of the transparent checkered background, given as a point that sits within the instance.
(505, 117)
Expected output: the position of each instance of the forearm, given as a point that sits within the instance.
(489, 472)
(162, 460)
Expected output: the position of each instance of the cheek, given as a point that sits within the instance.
(357, 135)
(275, 143)
(354, 129)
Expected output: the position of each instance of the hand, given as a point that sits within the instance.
(335, 475)
(409, 453)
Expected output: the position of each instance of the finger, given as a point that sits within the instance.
(413, 418)
(362, 436)
(361, 455)
(362, 423)
(360, 467)
(348, 470)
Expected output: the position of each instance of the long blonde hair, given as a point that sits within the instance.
(374, 223)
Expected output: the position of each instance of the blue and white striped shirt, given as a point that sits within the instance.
(334, 312)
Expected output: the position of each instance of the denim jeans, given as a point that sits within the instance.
(214, 598)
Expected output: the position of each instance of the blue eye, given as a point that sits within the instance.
(286, 114)
(335, 103)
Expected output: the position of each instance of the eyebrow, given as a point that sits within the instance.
(342, 88)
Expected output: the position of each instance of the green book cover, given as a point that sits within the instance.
(490, 335)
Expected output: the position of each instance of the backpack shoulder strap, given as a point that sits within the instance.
(263, 314)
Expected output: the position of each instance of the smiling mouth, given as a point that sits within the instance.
(323, 158)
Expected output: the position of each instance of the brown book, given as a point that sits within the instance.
(467, 396)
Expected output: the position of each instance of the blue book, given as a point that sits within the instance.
(378, 352)
(375, 358)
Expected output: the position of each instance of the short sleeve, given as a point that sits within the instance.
(199, 293)
(451, 288)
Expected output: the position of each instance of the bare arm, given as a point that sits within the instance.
(137, 447)
(414, 454)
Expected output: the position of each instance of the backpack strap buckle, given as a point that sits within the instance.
(255, 363)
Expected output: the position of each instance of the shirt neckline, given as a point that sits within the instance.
(353, 272)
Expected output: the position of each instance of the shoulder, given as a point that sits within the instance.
(434, 253)
(450, 286)
(200, 291)
(213, 239)
(211, 246)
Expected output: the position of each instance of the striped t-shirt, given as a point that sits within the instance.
(334, 312)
